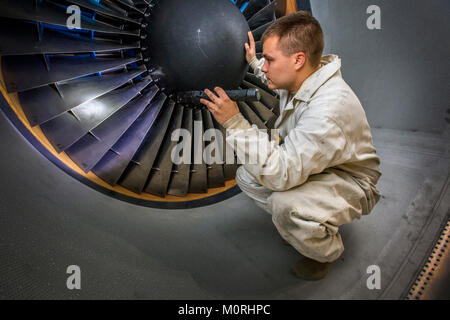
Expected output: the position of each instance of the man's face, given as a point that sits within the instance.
(279, 69)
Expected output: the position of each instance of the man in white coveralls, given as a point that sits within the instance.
(323, 173)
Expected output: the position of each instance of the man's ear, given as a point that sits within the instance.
(300, 60)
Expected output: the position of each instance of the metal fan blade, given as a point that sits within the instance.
(266, 98)
(99, 8)
(253, 7)
(263, 16)
(214, 170)
(250, 77)
(113, 165)
(250, 115)
(87, 151)
(24, 73)
(136, 174)
(22, 39)
(45, 103)
(230, 162)
(68, 128)
(258, 32)
(130, 4)
(240, 3)
(116, 7)
(199, 178)
(50, 13)
(261, 110)
(258, 46)
(179, 184)
(162, 168)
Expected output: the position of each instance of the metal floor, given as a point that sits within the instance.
(229, 250)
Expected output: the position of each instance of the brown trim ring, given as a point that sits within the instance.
(12, 109)
(284, 7)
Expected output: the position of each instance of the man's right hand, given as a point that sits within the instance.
(250, 49)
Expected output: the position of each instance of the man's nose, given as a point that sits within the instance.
(264, 67)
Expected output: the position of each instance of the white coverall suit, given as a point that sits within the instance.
(325, 172)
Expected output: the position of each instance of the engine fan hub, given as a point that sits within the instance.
(196, 44)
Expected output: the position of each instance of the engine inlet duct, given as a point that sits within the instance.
(103, 98)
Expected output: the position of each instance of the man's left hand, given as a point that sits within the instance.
(221, 106)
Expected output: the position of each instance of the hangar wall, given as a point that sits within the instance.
(405, 84)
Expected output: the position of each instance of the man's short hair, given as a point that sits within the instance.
(298, 31)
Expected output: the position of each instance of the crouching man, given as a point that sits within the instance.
(324, 171)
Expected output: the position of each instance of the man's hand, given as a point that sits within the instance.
(250, 49)
(221, 106)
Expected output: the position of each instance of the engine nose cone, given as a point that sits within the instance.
(197, 44)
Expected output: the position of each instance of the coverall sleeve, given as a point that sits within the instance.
(314, 144)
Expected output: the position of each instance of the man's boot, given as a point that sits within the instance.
(311, 270)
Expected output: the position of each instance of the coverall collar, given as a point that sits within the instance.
(331, 64)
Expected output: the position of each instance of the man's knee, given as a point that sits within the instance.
(240, 180)
(251, 187)
(244, 178)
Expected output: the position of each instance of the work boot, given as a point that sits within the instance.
(311, 270)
